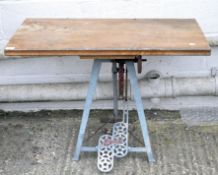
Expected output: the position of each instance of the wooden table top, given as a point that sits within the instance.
(107, 37)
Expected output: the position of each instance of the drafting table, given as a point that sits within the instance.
(109, 40)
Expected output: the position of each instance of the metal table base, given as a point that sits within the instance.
(139, 106)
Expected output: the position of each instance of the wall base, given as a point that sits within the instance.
(164, 103)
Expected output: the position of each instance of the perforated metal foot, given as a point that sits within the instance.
(120, 139)
(105, 160)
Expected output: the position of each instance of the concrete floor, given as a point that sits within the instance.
(43, 143)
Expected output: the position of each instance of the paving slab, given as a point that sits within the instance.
(43, 143)
(200, 115)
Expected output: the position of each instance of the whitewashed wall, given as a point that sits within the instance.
(66, 69)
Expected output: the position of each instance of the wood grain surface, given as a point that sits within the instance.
(107, 37)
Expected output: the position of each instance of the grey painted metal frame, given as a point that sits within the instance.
(139, 105)
(140, 109)
(91, 90)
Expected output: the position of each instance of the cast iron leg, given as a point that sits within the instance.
(140, 109)
(91, 90)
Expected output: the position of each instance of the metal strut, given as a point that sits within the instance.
(115, 94)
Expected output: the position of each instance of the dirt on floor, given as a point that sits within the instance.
(42, 143)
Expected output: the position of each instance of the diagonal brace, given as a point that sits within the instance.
(140, 109)
(91, 90)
